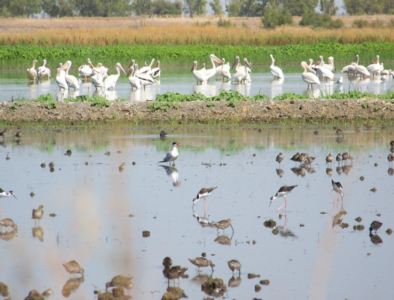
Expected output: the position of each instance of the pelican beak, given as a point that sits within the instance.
(310, 69)
(236, 61)
(194, 66)
(120, 67)
(247, 63)
(217, 59)
(131, 64)
(129, 73)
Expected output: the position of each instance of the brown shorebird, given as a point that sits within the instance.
(358, 129)
(280, 157)
(73, 267)
(283, 191)
(7, 223)
(390, 158)
(340, 132)
(163, 133)
(392, 144)
(234, 266)
(34, 295)
(345, 156)
(19, 134)
(295, 156)
(120, 280)
(175, 272)
(223, 224)
(167, 261)
(47, 293)
(375, 225)
(301, 158)
(368, 126)
(310, 160)
(38, 213)
(201, 262)
(339, 158)
(329, 159)
(3, 132)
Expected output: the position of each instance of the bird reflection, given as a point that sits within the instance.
(339, 170)
(111, 95)
(329, 172)
(234, 281)
(175, 293)
(346, 169)
(203, 221)
(390, 171)
(277, 87)
(375, 239)
(280, 172)
(38, 232)
(214, 287)
(223, 239)
(243, 89)
(173, 173)
(207, 90)
(298, 171)
(283, 231)
(71, 285)
(8, 235)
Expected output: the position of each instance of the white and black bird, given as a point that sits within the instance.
(337, 187)
(4, 194)
(203, 193)
(283, 191)
(173, 154)
(340, 80)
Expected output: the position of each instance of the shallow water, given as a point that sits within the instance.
(14, 85)
(93, 203)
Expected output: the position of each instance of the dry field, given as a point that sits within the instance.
(19, 25)
(177, 31)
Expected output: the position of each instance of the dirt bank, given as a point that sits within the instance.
(280, 112)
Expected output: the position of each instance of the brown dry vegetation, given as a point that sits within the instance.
(191, 35)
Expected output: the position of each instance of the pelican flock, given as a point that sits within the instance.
(140, 78)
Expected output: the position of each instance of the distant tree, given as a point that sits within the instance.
(216, 7)
(276, 17)
(246, 8)
(195, 7)
(142, 7)
(163, 7)
(369, 7)
(59, 8)
(89, 8)
(316, 20)
(328, 7)
(233, 8)
(19, 8)
(299, 7)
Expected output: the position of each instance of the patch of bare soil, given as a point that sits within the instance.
(203, 112)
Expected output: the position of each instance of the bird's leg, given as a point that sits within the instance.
(331, 195)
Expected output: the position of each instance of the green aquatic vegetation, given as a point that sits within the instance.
(96, 100)
(364, 105)
(22, 56)
(14, 106)
(291, 96)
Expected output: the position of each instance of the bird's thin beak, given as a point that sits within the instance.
(15, 197)
(270, 203)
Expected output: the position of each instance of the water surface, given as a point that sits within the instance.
(93, 203)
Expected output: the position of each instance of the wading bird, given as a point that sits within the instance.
(283, 191)
(172, 155)
(275, 71)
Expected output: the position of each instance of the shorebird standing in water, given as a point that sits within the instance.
(4, 194)
(337, 187)
(375, 225)
(283, 191)
(329, 159)
(173, 155)
(235, 266)
(203, 193)
(279, 158)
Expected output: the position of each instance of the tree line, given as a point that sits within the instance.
(234, 8)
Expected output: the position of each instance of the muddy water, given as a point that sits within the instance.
(93, 204)
(14, 85)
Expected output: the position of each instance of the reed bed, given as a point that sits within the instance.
(194, 35)
(22, 56)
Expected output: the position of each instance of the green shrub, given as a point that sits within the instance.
(224, 23)
(377, 23)
(203, 24)
(273, 18)
(316, 20)
(360, 23)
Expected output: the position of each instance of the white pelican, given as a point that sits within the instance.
(330, 64)
(86, 71)
(44, 71)
(144, 78)
(275, 71)
(111, 81)
(386, 72)
(72, 81)
(200, 76)
(100, 69)
(325, 73)
(375, 68)
(156, 72)
(225, 70)
(351, 66)
(363, 71)
(309, 78)
(98, 77)
(242, 74)
(134, 81)
(212, 72)
(146, 69)
(32, 72)
(61, 77)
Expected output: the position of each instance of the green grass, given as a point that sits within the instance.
(22, 56)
